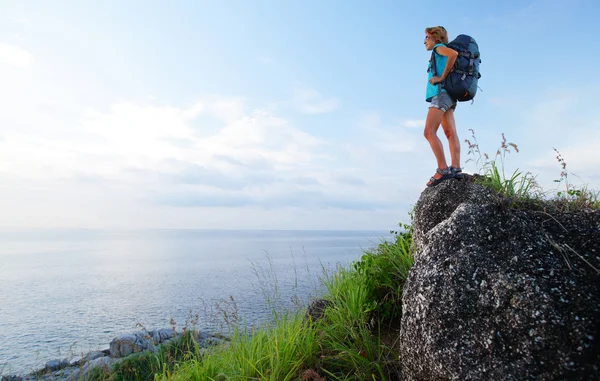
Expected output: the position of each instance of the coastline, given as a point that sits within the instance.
(121, 348)
(68, 294)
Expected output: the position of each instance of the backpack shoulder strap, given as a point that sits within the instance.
(432, 63)
(434, 70)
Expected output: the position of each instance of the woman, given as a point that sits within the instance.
(441, 110)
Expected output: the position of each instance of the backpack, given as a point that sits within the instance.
(461, 82)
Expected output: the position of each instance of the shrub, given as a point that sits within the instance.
(384, 272)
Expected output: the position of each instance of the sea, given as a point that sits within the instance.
(66, 292)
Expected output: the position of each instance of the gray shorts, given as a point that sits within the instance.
(443, 102)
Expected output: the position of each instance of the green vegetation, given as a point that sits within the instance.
(354, 336)
(145, 365)
(384, 272)
(345, 343)
(517, 185)
(572, 198)
(522, 187)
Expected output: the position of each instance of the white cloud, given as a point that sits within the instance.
(261, 135)
(144, 136)
(14, 56)
(388, 137)
(226, 109)
(564, 120)
(414, 123)
(144, 158)
(21, 20)
(310, 101)
(583, 157)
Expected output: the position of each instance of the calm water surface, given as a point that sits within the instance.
(70, 291)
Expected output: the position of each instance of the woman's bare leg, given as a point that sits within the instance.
(432, 123)
(449, 127)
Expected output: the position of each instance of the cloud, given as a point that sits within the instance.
(14, 56)
(21, 20)
(197, 200)
(582, 158)
(215, 154)
(214, 178)
(388, 138)
(146, 136)
(348, 180)
(310, 101)
(564, 116)
(564, 119)
(305, 181)
(414, 123)
(225, 109)
(304, 199)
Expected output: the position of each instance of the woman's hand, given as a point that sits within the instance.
(435, 80)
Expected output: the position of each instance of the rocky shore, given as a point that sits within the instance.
(80, 367)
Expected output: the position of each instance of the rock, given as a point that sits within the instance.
(10, 378)
(498, 293)
(74, 376)
(60, 375)
(436, 204)
(206, 340)
(160, 335)
(94, 355)
(201, 337)
(54, 365)
(105, 363)
(124, 345)
(76, 361)
(316, 309)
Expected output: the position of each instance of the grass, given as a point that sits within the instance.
(363, 300)
(147, 365)
(522, 187)
(517, 185)
(573, 198)
(344, 344)
(275, 352)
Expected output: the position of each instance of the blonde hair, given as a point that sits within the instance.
(438, 33)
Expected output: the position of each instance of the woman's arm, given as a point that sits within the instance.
(451, 54)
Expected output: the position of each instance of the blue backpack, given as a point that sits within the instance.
(461, 82)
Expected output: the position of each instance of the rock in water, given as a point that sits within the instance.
(160, 335)
(124, 345)
(500, 293)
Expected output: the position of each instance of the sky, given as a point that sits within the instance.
(273, 114)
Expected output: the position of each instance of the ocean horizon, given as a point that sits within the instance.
(68, 291)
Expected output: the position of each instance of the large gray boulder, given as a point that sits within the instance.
(54, 365)
(83, 374)
(126, 344)
(500, 293)
(160, 335)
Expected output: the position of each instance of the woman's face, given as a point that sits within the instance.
(429, 41)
